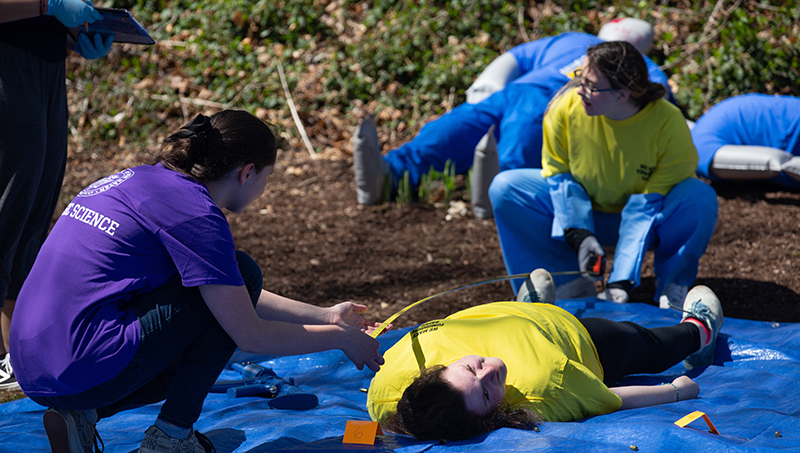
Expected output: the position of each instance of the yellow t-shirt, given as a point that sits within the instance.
(551, 361)
(650, 152)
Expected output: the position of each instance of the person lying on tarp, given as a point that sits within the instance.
(140, 296)
(750, 137)
(514, 364)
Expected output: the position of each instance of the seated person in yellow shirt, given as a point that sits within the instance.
(513, 364)
(618, 168)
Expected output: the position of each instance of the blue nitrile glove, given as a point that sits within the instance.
(95, 47)
(73, 13)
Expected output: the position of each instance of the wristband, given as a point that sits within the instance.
(574, 236)
(677, 394)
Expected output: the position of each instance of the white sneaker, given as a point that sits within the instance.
(7, 379)
(703, 305)
(575, 289)
(538, 287)
(673, 295)
(617, 295)
(371, 169)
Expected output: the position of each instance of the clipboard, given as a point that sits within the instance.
(126, 29)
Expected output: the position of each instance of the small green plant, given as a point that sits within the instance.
(424, 190)
(468, 185)
(449, 179)
(404, 196)
(429, 180)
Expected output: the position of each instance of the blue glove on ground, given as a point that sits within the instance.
(73, 13)
(95, 47)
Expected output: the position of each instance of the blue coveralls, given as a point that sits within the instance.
(516, 112)
(677, 227)
(752, 120)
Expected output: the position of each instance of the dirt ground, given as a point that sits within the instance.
(315, 243)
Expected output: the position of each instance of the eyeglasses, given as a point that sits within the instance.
(588, 92)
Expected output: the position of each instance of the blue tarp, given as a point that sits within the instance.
(751, 394)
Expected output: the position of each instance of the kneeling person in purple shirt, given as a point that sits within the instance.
(139, 294)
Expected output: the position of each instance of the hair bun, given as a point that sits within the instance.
(197, 130)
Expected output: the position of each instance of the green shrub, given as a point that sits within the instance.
(413, 60)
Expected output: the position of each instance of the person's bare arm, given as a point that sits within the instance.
(274, 307)
(232, 308)
(19, 9)
(634, 396)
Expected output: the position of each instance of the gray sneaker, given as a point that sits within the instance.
(702, 304)
(71, 432)
(155, 441)
(371, 169)
(538, 287)
(7, 379)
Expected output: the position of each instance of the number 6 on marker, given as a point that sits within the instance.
(361, 432)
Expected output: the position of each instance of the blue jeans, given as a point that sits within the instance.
(516, 112)
(183, 350)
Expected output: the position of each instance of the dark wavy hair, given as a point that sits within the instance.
(209, 147)
(624, 67)
(432, 409)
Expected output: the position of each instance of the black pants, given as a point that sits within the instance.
(33, 155)
(182, 351)
(626, 348)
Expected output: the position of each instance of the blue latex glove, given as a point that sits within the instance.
(95, 47)
(73, 13)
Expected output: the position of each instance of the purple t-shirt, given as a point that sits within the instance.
(122, 236)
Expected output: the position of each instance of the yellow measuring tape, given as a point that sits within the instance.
(391, 319)
(383, 326)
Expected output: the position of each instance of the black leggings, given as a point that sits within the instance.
(626, 348)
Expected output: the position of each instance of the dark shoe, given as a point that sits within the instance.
(155, 441)
(71, 432)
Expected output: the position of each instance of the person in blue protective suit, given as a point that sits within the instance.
(750, 137)
(33, 133)
(521, 63)
(515, 112)
(618, 169)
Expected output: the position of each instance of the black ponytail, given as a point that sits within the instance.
(207, 148)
